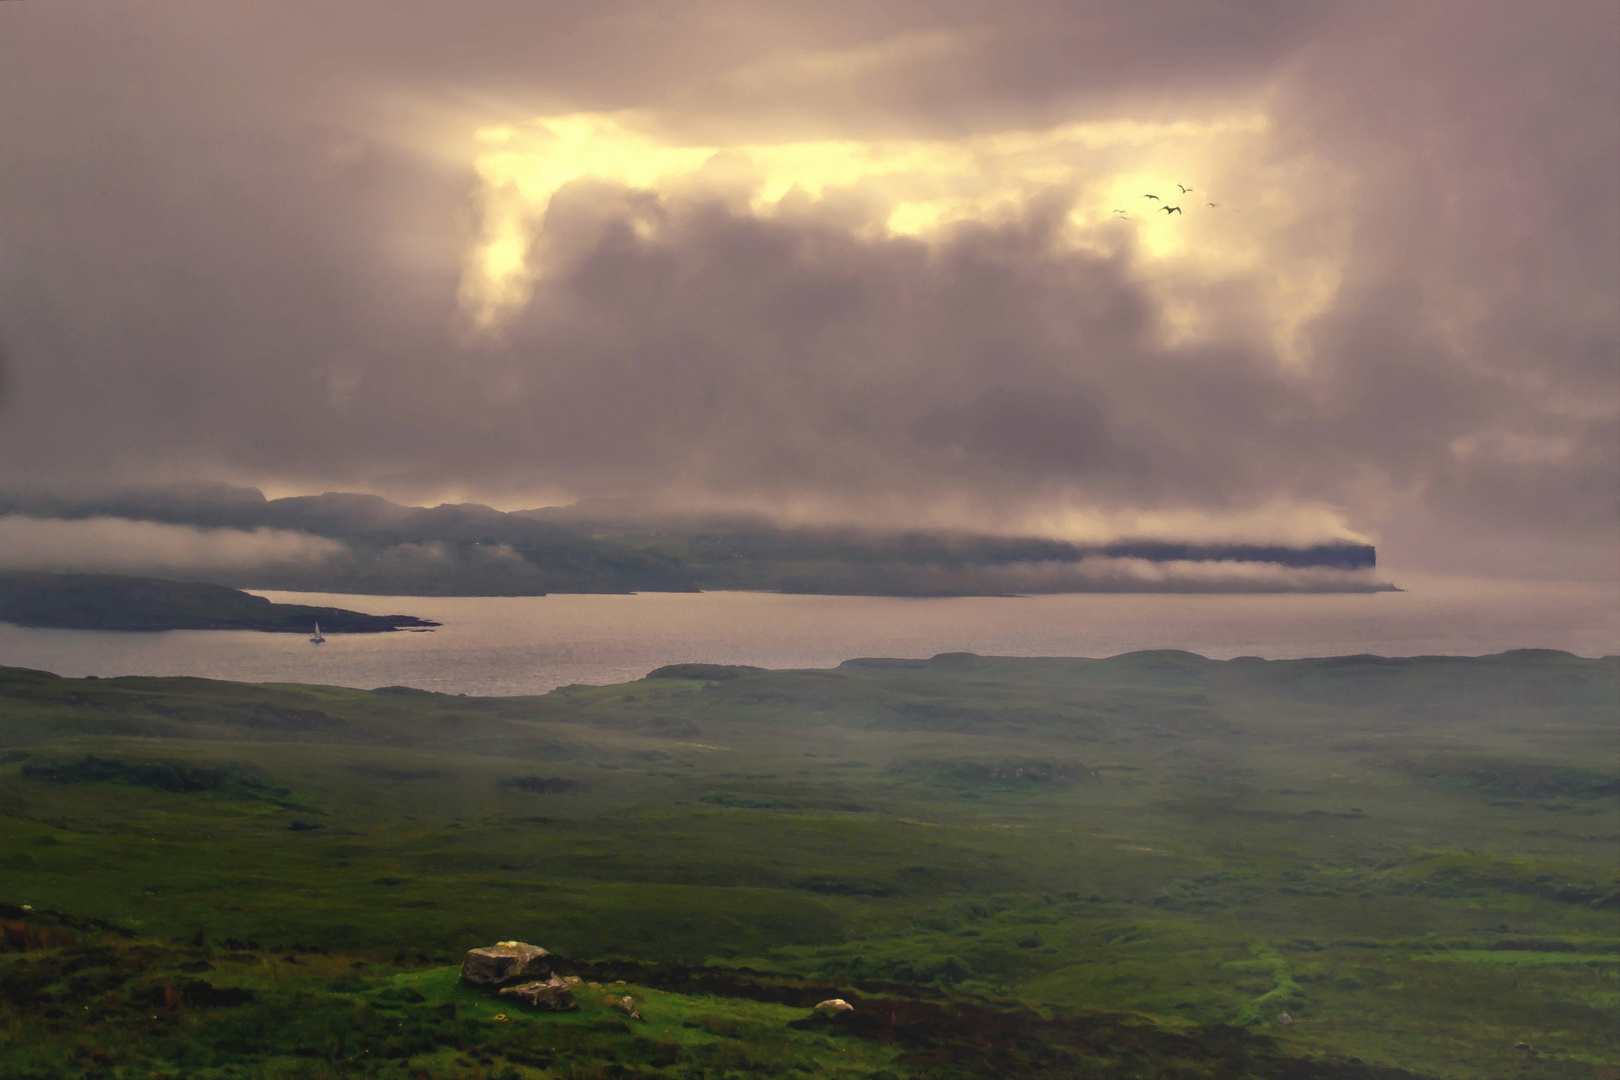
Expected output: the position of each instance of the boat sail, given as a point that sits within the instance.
(318, 638)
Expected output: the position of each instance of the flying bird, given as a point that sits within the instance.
(1214, 204)
(1150, 196)
(1121, 212)
(1184, 189)
(1171, 209)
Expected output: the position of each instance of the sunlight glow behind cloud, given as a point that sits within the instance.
(922, 188)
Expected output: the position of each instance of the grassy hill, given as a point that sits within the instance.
(1016, 867)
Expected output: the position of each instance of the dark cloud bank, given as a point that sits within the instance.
(366, 544)
(223, 258)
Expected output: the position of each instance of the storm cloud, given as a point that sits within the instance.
(247, 242)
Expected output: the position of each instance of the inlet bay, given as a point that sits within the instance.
(527, 645)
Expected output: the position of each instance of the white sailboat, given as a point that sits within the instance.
(318, 638)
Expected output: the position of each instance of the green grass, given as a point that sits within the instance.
(206, 1011)
(1415, 858)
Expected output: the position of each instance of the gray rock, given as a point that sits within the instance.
(627, 1005)
(553, 995)
(505, 963)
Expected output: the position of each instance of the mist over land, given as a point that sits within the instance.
(365, 544)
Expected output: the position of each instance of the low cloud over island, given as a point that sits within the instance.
(365, 544)
(913, 267)
(121, 546)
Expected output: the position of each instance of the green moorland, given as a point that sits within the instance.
(1128, 867)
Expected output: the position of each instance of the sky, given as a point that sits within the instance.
(890, 264)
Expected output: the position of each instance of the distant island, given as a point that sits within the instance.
(114, 602)
(382, 548)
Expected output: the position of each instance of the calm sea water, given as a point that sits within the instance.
(534, 644)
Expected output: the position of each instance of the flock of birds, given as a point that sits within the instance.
(1165, 207)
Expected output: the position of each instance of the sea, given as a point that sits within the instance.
(531, 645)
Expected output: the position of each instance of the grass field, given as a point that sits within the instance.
(1020, 867)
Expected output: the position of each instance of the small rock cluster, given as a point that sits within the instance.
(553, 995)
(521, 972)
(626, 1005)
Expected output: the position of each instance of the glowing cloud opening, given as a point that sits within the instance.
(922, 188)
